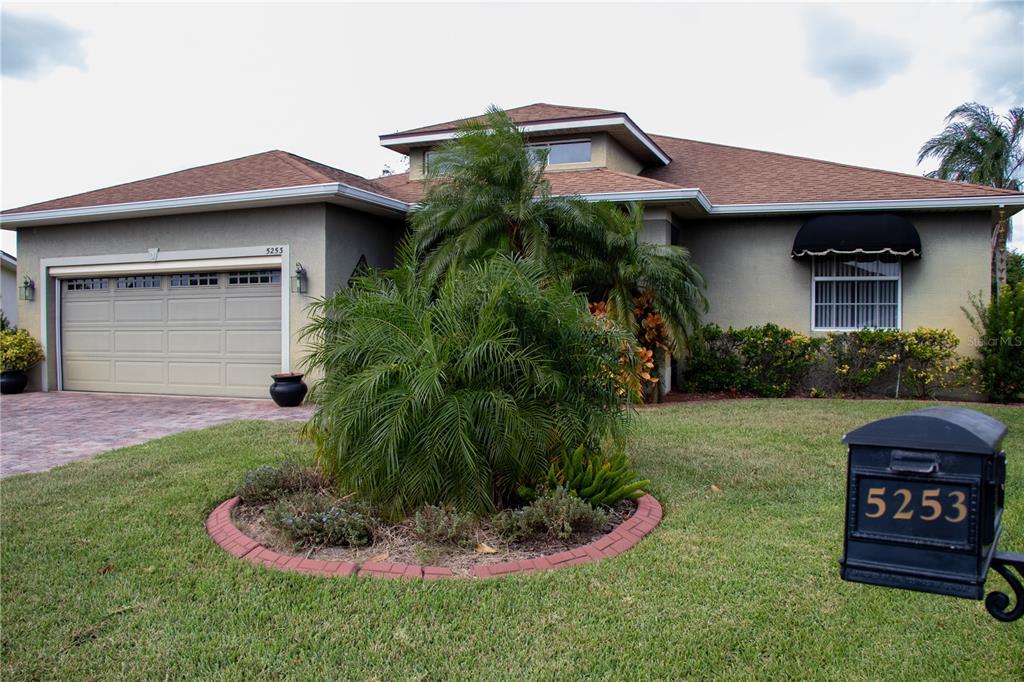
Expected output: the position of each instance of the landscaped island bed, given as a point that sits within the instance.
(109, 573)
(246, 536)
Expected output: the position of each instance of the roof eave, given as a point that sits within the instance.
(333, 192)
(404, 142)
(1011, 203)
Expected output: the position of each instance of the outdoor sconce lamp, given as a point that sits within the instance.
(299, 280)
(27, 290)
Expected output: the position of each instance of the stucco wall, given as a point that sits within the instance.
(300, 227)
(351, 234)
(753, 280)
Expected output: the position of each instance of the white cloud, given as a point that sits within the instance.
(33, 46)
(848, 57)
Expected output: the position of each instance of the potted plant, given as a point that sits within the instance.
(288, 389)
(19, 352)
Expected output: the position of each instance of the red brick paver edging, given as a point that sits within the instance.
(220, 527)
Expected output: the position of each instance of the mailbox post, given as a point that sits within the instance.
(924, 506)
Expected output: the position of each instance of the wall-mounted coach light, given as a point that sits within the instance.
(27, 290)
(299, 280)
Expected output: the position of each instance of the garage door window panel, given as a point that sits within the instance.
(254, 277)
(194, 279)
(86, 284)
(140, 282)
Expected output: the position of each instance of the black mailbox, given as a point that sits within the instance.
(924, 501)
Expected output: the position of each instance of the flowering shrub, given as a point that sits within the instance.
(19, 351)
(768, 361)
(1000, 326)
(861, 358)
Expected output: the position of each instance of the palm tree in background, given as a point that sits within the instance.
(979, 146)
(631, 276)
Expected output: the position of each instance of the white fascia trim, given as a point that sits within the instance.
(653, 196)
(870, 205)
(425, 138)
(162, 266)
(324, 192)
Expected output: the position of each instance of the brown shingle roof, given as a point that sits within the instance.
(734, 175)
(267, 170)
(727, 175)
(524, 114)
(586, 181)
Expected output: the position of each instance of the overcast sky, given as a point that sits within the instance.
(94, 95)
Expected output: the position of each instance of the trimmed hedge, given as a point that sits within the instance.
(773, 361)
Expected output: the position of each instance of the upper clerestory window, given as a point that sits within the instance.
(576, 151)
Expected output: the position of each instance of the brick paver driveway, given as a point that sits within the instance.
(39, 431)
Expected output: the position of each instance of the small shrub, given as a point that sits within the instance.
(272, 481)
(1000, 326)
(769, 360)
(595, 477)
(445, 526)
(557, 514)
(426, 554)
(316, 520)
(19, 351)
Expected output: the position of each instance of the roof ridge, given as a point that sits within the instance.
(302, 164)
(996, 190)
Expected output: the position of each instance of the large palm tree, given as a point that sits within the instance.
(486, 195)
(979, 146)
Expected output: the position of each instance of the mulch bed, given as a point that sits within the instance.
(399, 544)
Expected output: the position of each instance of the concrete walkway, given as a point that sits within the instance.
(39, 431)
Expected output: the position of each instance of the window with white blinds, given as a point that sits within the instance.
(855, 292)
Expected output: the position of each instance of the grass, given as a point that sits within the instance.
(107, 573)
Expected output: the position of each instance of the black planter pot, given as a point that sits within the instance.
(15, 381)
(288, 389)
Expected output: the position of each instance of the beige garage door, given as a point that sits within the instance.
(184, 333)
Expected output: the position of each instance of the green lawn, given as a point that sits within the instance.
(738, 583)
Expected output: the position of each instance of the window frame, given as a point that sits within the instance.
(555, 143)
(898, 278)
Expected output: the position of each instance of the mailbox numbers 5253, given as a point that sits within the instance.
(932, 504)
(907, 508)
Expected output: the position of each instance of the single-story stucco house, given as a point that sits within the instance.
(185, 283)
